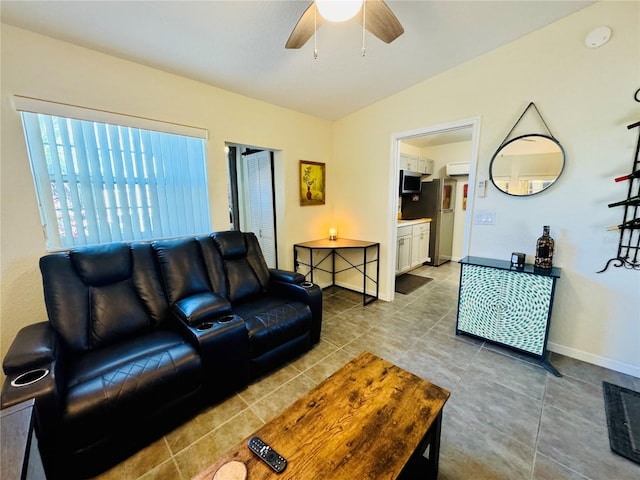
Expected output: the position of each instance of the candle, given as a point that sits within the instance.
(333, 234)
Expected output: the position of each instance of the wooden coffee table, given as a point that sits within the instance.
(369, 420)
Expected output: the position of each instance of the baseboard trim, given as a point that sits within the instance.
(353, 288)
(621, 367)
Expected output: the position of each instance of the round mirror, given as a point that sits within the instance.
(527, 165)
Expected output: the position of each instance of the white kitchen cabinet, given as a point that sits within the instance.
(409, 162)
(420, 244)
(425, 166)
(416, 164)
(403, 249)
(412, 248)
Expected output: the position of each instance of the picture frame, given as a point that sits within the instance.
(312, 183)
(465, 194)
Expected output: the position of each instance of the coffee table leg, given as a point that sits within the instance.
(423, 464)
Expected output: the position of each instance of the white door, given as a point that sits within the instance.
(259, 212)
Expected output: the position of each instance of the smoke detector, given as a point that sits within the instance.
(597, 37)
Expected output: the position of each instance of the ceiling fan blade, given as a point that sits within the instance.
(381, 21)
(305, 27)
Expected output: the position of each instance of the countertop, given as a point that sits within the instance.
(405, 223)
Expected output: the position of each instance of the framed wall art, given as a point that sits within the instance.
(312, 183)
(465, 194)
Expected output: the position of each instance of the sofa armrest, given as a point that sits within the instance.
(32, 370)
(305, 292)
(202, 307)
(285, 276)
(33, 347)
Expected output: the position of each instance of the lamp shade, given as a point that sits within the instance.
(338, 10)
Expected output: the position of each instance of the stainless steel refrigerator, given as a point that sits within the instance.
(437, 201)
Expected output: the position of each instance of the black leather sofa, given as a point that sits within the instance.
(140, 336)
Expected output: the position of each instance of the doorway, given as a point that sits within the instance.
(438, 141)
(252, 196)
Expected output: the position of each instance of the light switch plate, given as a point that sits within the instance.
(484, 217)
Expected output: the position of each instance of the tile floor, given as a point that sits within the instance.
(506, 419)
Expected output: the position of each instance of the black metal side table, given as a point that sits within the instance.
(332, 249)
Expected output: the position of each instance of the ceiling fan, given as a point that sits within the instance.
(376, 17)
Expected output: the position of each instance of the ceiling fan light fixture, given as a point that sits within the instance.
(338, 10)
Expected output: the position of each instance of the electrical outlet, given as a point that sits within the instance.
(485, 218)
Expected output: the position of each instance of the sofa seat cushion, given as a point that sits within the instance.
(123, 383)
(272, 321)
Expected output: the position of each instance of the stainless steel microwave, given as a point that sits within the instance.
(410, 182)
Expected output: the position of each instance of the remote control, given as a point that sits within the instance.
(267, 454)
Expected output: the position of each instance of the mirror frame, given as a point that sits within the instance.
(548, 137)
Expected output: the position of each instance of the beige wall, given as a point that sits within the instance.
(38, 66)
(586, 98)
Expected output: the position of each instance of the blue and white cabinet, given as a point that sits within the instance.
(507, 306)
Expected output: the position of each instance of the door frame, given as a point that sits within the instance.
(394, 181)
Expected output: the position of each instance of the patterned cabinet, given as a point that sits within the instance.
(511, 307)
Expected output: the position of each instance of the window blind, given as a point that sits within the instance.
(99, 183)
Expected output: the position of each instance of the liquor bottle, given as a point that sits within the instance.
(635, 174)
(629, 201)
(544, 249)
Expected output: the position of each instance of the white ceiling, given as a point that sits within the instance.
(239, 45)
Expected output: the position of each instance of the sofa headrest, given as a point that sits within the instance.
(231, 244)
(95, 296)
(100, 265)
(182, 267)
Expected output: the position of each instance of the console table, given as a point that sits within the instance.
(333, 248)
(507, 306)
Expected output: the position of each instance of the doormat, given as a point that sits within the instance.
(623, 420)
(407, 283)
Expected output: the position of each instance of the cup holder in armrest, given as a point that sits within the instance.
(207, 325)
(225, 318)
(307, 284)
(30, 377)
